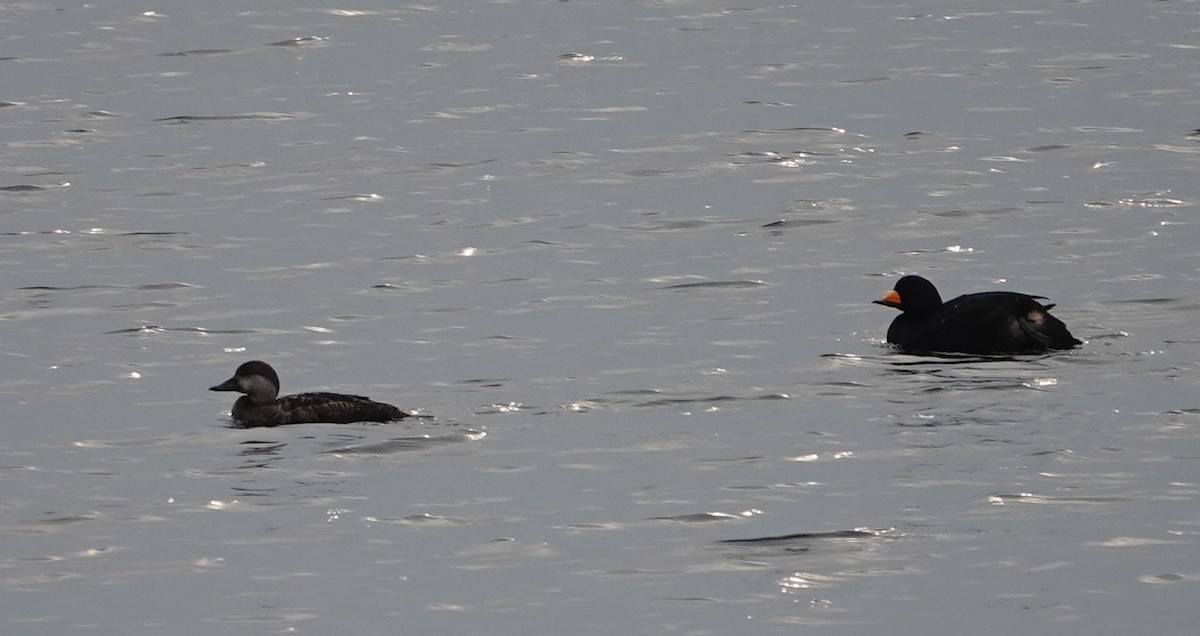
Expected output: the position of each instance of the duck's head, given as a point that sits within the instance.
(256, 379)
(912, 294)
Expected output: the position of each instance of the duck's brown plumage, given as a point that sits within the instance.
(261, 405)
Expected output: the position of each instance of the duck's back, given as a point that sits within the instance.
(986, 322)
(309, 408)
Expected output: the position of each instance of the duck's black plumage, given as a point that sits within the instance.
(982, 323)
(262, 406)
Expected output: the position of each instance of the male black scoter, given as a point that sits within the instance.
(262, 406)
(994, 322)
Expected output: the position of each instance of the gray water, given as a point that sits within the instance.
(620, 255)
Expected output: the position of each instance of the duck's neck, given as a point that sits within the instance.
(260, 391)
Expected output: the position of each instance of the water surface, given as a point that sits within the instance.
(623, 255)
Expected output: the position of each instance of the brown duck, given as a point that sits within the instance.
(262, 406)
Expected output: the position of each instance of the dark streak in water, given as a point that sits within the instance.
(489, 382)
(158, 329)
(132, 306)
(802, 537)
(63, 520)
(187, 119)
(812, 129)
(954, 214)
(700, 517)
(1146, 301)
(435, 167)
(786, 223)
(261, 447)
(704, 400)
(147, 287)
(677, 224)
(719, 284)
(160, 286)
(197, 52)
(311, 40)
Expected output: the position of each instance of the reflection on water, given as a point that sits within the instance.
(625, 253)
(406, 444)
(807, 542)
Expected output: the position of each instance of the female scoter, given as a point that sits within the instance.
(983, 323)
(261, 405)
